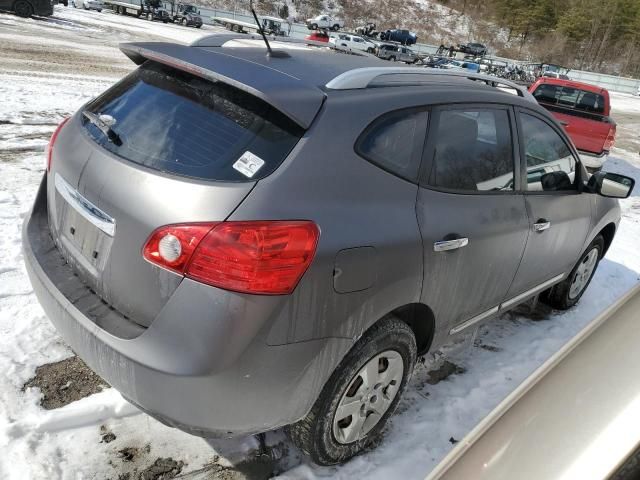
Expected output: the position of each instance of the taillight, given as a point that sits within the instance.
(52, 141)
(611, 139)
(262, 257)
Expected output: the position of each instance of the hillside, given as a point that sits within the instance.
(597, 35)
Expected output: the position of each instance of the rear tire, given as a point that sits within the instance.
(23, 8)
(335, 28)
(360, 395)
(567, 293)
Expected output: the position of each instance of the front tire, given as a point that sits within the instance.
(360, 396)
(567, 293)
(314, 26)
(23, 8)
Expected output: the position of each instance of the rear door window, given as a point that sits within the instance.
(473, 151)
(172, 121)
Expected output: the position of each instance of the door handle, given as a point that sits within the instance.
(541, 225)
(444, 245)
(563, 123)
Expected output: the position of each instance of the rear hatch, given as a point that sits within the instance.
(160, 147)
(582, 113)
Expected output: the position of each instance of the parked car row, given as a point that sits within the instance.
(182, 13)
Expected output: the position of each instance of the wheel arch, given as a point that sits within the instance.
(420, 318)
(608, 232)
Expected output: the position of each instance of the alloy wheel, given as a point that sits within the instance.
(583, 273)
(368, 397)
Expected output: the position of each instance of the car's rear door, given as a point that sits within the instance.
(559, 214)
(471, 214)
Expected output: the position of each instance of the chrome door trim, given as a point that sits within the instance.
(473, 320)
(531, 292)
(84, 207)
(541, 226)
(509, 303)
(445, 245)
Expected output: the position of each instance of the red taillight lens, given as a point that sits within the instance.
(262, 257)
(611, 139)
(52, 141)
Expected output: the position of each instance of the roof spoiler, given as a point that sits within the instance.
(297, 100)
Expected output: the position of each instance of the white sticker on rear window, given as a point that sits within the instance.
(248, 164)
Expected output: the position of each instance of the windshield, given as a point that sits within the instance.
(175, 122)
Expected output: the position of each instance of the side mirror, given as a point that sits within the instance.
(555, 181)
(612, 185)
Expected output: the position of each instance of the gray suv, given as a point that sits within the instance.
(228, 245)
(396, 53)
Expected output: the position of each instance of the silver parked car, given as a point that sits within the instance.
(221, 239)
(573, 418)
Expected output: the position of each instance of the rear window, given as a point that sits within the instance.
(175, 122)
(569, 97)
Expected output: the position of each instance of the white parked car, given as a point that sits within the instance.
(89, 4)
(348, 42)
(324, 21)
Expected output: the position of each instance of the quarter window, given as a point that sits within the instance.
(473, 151)
(550, 163)
(392, 142)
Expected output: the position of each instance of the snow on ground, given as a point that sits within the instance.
(69, 442)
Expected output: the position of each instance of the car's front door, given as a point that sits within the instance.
(471, 214)
(559, 214)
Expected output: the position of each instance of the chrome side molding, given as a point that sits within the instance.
(531, 292)
(84, 207)
(458, 328)
(505, 305)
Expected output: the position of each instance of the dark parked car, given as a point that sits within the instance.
(27, 8)
(475, 49)
(188, 15)
(405, 37)
(223, 264)
(153, 10)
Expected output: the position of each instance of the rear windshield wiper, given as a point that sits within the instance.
(104, 127)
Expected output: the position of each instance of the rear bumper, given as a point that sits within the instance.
(199, 367)
(593, 161)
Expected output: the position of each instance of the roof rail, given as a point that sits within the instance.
(373, 76)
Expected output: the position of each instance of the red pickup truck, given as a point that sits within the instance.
(584, 110)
